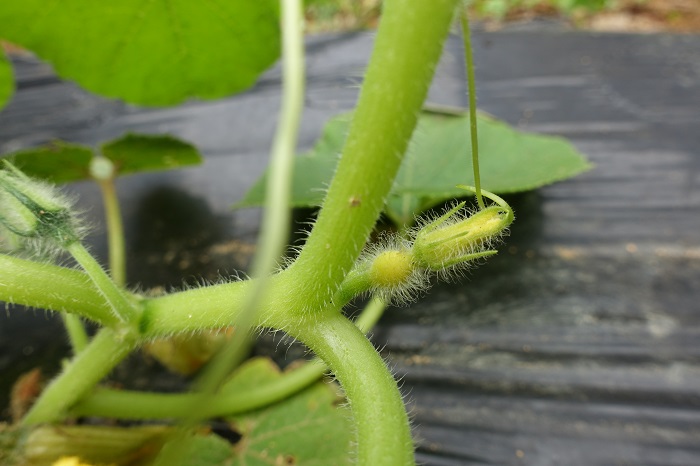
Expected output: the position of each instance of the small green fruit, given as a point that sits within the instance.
(391, 268)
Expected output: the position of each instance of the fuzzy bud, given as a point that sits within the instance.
(452, 239)
(33, 210)
(398, 268)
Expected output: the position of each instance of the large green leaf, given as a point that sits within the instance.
(7, 83)
(149, 52)
(438, 159)
(62, 162)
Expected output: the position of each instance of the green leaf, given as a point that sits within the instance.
(57, 162)
(438, 159)
(308, 428)
(150, 52)
(7, 83)
(139, 153)
(312, 171)
(62, 162)
(207, 450)
(510, 161)
(250, 375)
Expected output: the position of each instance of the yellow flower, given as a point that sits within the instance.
(70, 461)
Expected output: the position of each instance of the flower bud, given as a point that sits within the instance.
(31, 209)
(398, 268)
(452, 239)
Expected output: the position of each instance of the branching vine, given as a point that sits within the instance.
(307, 298)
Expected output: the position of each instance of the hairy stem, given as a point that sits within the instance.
(47, 286)
(122, 307)
(406, 51)
(98, 358)
(383, 432)
(200, 308)
(123, 404)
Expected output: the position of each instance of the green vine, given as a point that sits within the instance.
(107, 349)
(305, 299)
(386, 114)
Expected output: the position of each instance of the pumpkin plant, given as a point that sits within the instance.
(304, 297)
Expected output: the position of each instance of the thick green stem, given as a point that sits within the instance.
(115, 232)
(123, 404)
(407, 48)
(100, 356)
(218, 306)
(200, 308)
(382, 428)
(47, 286)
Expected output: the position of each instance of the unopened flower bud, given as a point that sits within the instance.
(453, 239)
(32, 209)
(398, 268)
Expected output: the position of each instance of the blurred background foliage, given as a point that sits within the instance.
(604, 15)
